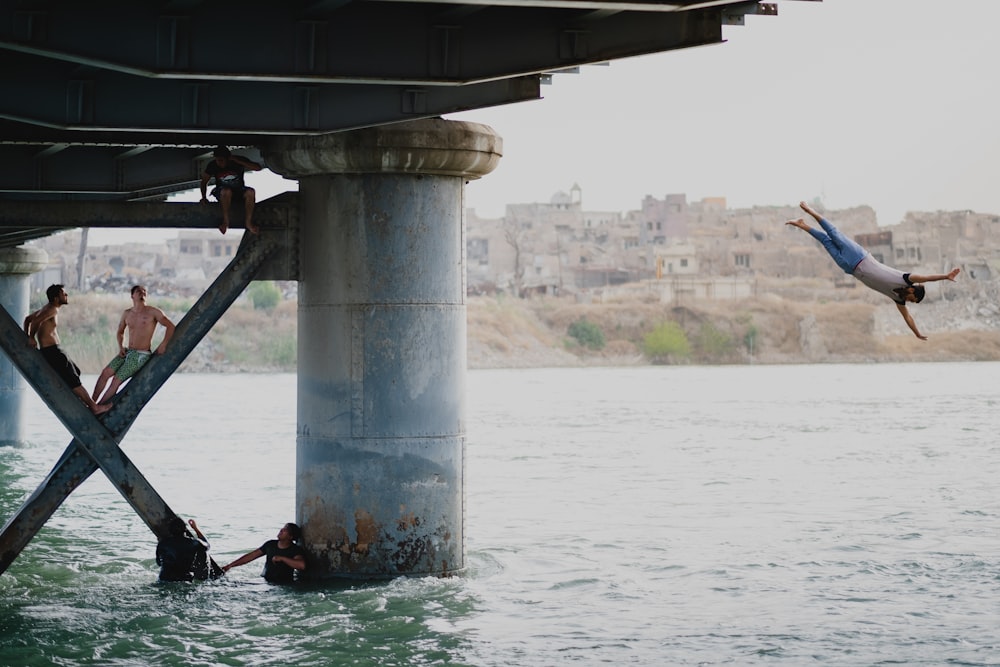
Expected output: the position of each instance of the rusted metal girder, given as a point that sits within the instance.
(22, 221)
(95, 444)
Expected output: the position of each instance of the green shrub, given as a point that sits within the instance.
(586, 334)
(713, 344)
(666, 343)
(264, 295)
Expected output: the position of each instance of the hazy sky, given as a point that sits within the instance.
(889, 103)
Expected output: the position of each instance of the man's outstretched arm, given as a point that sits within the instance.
(914, 278)
(909, 321)
(246, 163)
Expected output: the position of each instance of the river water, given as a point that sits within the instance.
(746, 515)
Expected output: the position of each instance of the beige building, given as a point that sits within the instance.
(561, 245)
(674, 248)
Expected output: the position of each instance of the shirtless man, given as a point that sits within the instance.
(140, 320)
(42, 324)
(901, 287)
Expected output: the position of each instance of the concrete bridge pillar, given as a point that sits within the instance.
(382, 343)
(16, 265)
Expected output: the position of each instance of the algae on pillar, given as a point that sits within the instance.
(382, 343)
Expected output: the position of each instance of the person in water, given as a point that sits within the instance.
(901, 287)
(284, 556)
(180, 556)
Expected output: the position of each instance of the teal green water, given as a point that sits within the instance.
(115, 616)
(84, 592)
(656, 516)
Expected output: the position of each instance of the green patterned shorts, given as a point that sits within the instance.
(125, 367)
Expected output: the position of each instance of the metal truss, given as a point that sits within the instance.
(96, 439)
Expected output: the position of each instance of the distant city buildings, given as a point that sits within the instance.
(185, 265)
(668, 247)
(678, 247)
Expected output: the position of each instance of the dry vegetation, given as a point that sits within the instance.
(512, 333)
(509, 333)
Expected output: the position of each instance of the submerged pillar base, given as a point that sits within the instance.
(382, 344)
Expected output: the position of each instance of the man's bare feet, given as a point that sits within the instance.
(100, 408)
(224, 227)
(809, 209)
(252, 228)
(800, 223)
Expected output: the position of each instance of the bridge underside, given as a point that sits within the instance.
(122, 101)
(107, 107)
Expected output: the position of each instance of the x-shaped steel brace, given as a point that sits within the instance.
(95, 441)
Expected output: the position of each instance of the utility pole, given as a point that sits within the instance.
(81, 259)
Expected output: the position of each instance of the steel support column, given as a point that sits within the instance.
(382, 343)
(16, 264)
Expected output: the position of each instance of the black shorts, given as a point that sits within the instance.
(237, 190)
(66, 369)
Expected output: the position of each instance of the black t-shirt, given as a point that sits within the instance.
(182, 559)
(279, 573)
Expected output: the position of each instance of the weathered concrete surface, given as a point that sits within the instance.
(382, 344)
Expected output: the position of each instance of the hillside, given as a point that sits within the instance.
(529, 333)
(513, 333)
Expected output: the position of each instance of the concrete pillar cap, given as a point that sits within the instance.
(427, 146)
(22, 260)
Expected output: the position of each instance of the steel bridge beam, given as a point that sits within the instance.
(24, 220)
(96, 444)
(59, 97)
(362, 42)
